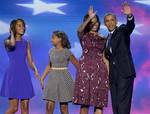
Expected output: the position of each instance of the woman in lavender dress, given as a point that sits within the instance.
(17, 83)
(91, 85)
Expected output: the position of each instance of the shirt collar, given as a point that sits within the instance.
(112, 31)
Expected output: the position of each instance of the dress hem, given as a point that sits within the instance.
(88, 104)
(12, 97)
(68, 101)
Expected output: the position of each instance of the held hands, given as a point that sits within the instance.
(91, 12)
(126, 9)
(41, 79)
(42, 82)
(37, 75)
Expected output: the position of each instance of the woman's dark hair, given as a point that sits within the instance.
(13, 28)
(64, 38)
(89, 25)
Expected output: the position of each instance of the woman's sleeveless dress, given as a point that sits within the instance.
(17, 80)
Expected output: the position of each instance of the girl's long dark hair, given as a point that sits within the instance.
(64, 38)
(13, 28)
(89, 25)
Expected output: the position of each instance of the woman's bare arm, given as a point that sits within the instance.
(30, 61)
(74, 61)
(11, 41)
(106, 62)
(81, 28)
(46, 71)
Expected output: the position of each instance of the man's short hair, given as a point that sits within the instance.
(108, 14)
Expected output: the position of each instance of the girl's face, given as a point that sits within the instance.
(20, 29)
(56, 40)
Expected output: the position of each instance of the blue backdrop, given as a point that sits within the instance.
(45, 16)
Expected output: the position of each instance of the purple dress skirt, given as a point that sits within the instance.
(17, 81)
(91, 84)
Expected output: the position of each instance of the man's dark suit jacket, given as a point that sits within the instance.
(121, 57)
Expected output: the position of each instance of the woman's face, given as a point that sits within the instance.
(20, 29)
(55, 40)
(94, 20)
(94, 25)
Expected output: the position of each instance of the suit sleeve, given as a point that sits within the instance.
(129, 27)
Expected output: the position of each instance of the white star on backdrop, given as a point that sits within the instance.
(134, 32)
(146, 2)
(4, 27)
(41, 7)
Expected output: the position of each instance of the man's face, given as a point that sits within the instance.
(110, 22)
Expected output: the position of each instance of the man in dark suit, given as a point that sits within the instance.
(121, 66)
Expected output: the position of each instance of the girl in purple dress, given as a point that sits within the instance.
(17, 83)
(91, 85)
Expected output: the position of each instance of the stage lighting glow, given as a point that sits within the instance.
(146, 2)
(136, 27)
(136, 31)
(4, 27)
